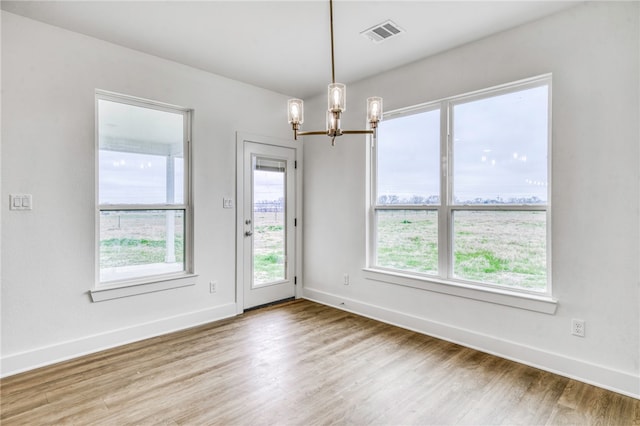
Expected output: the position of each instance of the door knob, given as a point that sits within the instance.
(248, 233)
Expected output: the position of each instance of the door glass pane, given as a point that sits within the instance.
(269, 236)
(134, 244)
(501, 247)
(408, 240)
(500, 149)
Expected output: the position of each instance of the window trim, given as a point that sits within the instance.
(498, 296)
(156, 282)
(445, 281)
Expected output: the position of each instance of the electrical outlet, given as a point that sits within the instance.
(212, 286)
(577, 327)
(346, 279)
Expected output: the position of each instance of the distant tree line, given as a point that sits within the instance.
(434, 199)
(269, 205)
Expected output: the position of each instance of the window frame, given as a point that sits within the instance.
(105, 290)
(446, 208)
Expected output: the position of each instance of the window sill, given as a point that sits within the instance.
(134, 288)
(531, 302)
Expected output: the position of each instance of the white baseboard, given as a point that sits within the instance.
(597, 375)
(40, 357)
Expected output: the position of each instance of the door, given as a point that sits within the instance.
(267, 223)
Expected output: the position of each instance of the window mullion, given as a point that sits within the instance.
(188, 195)
(372, 257)
(444, 234)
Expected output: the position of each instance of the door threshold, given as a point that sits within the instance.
(267, 305)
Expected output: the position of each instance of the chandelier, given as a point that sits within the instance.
(337, 102)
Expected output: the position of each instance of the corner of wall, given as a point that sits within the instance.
(43, 356)
(597, 375)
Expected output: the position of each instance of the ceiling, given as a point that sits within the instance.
(284, 46)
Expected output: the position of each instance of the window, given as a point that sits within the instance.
(461, 189)
(143, 190)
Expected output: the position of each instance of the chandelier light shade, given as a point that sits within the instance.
(374, 109)
(296, 112)
(336, 105)
(337, 97)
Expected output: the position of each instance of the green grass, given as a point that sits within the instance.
(482, 260)
(268, 247)
(268, 267)
(137, 238)
(130, 242)
(408, 240)
(128, 251)
(505, 248)
(267, 228)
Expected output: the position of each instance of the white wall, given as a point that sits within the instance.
(48, 80)
(593, 52)
(49, 76)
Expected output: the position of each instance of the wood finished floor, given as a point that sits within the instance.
(302, 363)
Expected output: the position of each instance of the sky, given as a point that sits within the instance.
(268, 185)
(130, 178)
(135, 148)
(499, 149)
(499, 152)
(135, 142)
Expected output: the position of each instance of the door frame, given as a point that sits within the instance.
(297, 146)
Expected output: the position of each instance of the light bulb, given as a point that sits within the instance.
(374, 109)
(336, 97)
(331, 121)
(295, 111)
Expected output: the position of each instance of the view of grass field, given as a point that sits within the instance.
(408, 240)
(129, 238)
(268, 247)
(500, 247)
(139, 238)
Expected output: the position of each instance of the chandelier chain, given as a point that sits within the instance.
(333, 66)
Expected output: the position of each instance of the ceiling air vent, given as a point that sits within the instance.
(382, 31)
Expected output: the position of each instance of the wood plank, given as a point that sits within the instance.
(302, 363)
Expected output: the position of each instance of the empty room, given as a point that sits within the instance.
(320, 212)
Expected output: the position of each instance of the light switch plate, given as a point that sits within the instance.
(227, 203)
(20, 202)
